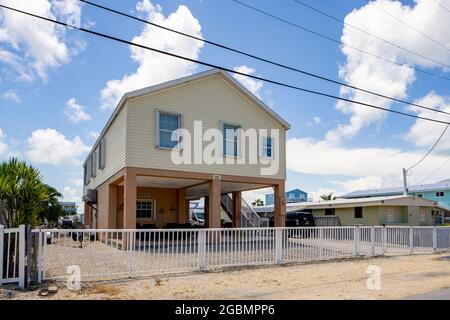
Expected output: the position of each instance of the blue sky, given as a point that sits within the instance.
(52, 108)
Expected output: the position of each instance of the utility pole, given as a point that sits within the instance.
(405, 185)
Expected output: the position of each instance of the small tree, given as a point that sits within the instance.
(257, 203)
(21, 193)
(51, 209)
(328, 197)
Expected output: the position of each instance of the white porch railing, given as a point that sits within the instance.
(112, 253)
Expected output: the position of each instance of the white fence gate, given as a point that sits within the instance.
(111, 253)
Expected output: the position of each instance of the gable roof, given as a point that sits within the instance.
(184, 80)
(442, 185)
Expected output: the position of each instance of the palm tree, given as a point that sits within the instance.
(257, 203)
(51, 209)
(328, 197)
(21, 194)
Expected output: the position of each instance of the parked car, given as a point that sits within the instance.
(66, 223)
(296, 219)
(197, 219)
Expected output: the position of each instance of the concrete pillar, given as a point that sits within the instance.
(87, 216)
(279, 209)
(112, 206)
(129, 200)
(183, 216)
(237, 201)
(214, 204)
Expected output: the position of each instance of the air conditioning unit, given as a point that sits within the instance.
(91, 196)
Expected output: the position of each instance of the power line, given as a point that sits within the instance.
(433, 173)
(441, 5)
(261, 59)
(411, 27)
(220, 67)
(431, 149)
(338, 41)
(369, 33)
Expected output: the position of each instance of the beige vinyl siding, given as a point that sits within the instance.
(211, 100)
(114, 138)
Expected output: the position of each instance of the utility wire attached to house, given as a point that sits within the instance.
(338, 41)
(370, 34)
(261, 59)
(220, 67)
(434, 172)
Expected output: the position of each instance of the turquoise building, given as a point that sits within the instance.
(292, 196)
(439, 192)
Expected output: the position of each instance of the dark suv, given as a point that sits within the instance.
(296, 219)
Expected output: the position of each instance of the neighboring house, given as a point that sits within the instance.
(390, 210)
(131, 179)
(70, 208)
(439, 192)
(292, 196)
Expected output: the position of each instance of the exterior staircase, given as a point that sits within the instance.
(249, 218)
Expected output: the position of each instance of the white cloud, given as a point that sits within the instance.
(3, 145)
(76, 182)
(93, 135)
(323, 158)
(317, 120)
(11, 95)
(75, 112)
(154, 68)
(424, 133)
(34, 45)
(361, 183)
(378, 75)
(52, 147)
(253, 85)
(73, 195)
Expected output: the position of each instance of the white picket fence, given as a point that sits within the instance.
(111, 253)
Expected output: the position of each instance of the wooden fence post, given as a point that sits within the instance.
(434, 238)
(411, 239)
(372, 241)
(279, 245)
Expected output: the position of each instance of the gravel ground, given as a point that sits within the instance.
(401, 276)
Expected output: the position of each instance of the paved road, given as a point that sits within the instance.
(434, 295)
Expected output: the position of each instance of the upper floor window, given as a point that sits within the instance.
(440, 194)
(93, 164)
(267, 147)
(358, 212)
(167, 124)
(101, 154)
(230, 140)
(85, 173)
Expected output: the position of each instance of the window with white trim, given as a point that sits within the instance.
(390, 215)
(267, 147)
(440, 194)
(145, 209)
(101, 154)
(230, 139)
(167, 124)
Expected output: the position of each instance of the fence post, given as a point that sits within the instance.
(29, 259)
(279, 245)
(2, 238)
(411, 239)
(321, 247)
(22, 256)
(202, 250)
(372, 241)
(355, 240)
(383, 240)
(434, 238)
(39, 257)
